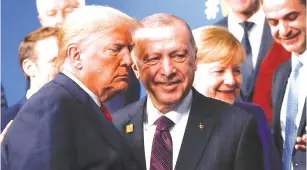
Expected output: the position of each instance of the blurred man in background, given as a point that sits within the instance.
(37, 54)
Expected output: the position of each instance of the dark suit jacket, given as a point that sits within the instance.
(279, 88)
(229, 139)
(11, 112)
(265, 45)
(62, 128)
(271, 158)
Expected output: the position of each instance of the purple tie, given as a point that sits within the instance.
(162, 146)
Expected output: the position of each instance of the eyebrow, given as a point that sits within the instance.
(291, 13)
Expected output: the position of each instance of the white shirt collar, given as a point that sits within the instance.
(258, 18)
(302, 58)
(30, 93)
(88, 91)
(175, 115)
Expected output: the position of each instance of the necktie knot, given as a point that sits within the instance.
(164, 123)
(247, 25)
(105, 110)
(297, 67)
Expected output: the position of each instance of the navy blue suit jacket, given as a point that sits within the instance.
(11, 112)
(279, 88)
(229, 139)
(62, 128)
(271, 158)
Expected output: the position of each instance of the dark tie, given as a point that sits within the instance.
(104, 109)
(292, 109)
(247, 66)
(162, 146)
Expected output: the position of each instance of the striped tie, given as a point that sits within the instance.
(162, 146)
(292, 109)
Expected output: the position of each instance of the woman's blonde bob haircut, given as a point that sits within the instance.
(216, 43)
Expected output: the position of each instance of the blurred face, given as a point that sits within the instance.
(106, 62)
(165, 61)
(287, 20)
(219, 81)
(46, 52)
(243, 6)
(54, 12)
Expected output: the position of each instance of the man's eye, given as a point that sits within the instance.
(273, 22)
(179, 58)
(152, 60)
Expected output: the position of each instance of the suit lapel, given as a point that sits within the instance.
(281, 83)
(266, 44)
(136, 137)
(100, 122)
(198, 132)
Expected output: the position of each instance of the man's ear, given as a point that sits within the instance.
(135, 70)
(29, 68)
(73, 53)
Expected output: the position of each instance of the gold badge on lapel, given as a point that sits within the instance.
(129, 128)
(201, 126)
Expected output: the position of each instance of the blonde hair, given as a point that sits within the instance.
(216, 43)
(87, 24)
(41, 5)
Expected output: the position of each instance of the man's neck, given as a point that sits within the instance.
(244, 16)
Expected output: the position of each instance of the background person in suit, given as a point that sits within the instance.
(37, 54)
(175, 127)
(65, 126)
(246, 21)
(219, 76)
(287, 20)
(51, 13)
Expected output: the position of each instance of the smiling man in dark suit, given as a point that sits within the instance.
(287, 20)
(65, 126)
(175, 127)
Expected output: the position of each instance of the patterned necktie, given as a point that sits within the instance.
(104, 109)
(292, 109)
(247, 66)
(162, 146)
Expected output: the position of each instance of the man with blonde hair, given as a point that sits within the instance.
(53, 13)
(65, 126)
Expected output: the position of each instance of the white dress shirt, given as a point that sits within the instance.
(179, 116)
(255, 33)
(302, 91)
(90, 93)
(30, 93)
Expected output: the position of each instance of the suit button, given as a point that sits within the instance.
(296, 164)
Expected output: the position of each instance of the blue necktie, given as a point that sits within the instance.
(292, 109)
(247, 66)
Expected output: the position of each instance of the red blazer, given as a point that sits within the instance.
(263, 87)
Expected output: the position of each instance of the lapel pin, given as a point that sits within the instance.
(129, 128)
(201, 126)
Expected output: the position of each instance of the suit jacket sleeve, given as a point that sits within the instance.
(39, 138)
(250, 153)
